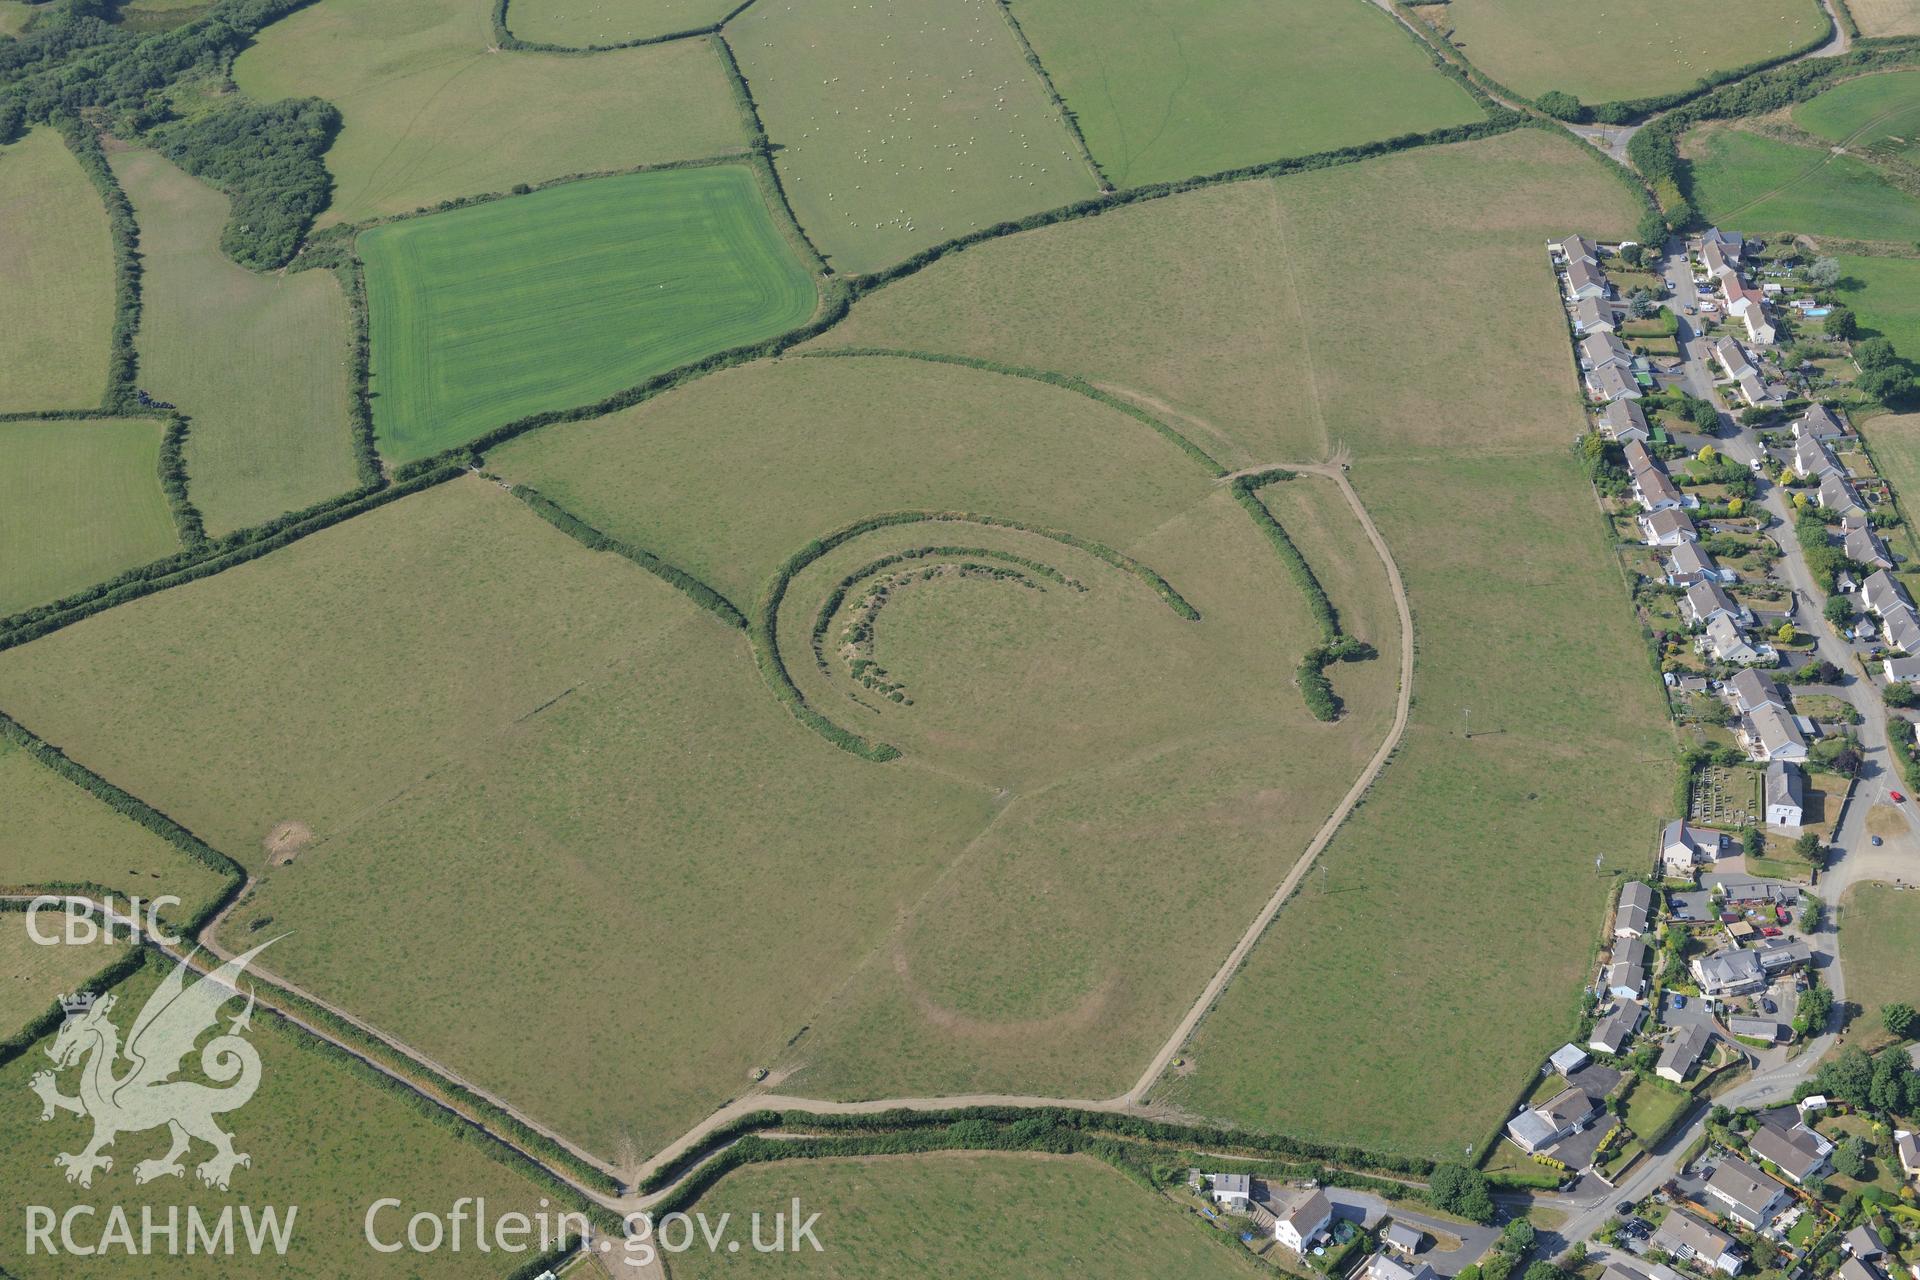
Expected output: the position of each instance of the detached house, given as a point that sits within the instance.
(1724, 642)
(1771, 734)
(1613, 1033)
(1688, 564)
(1810, 459)
(1613, 382)
(1731, 972)
(1748, 691)
(1838, 497)
(1627, 975)
(1624, 421)
(1901, 670)
(1749, 1195)
(1598, 350)
(1385, 1266)
(1819, 423)
(1902, 630)
(1576, 249)
(1682, 848)
(1797, 1151)
(1636, 908)
(1667, 528)
(1884, 595)
(1718, 262)
(1683, 1053)
(1585, 280)
(1590, 315)
(1785, 794)
(1706, 601)
(1687, 1237)
(1566, 1113)
(1863, 547)
(1908, 1148)
(1731, 359)
(1299, 1228)
(1655, 490)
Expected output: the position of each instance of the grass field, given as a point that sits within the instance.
(1895, 439)
(83, 502)
(1168, 91)
(56, 279)
(562, 297)
(52, 832)
(1878, 925)
(372, 1144)
(903, 126)
(259, 362)
(1629, 49)
(1878, 113)
(1886, 17)
(890, 1218)
(32, 976)
(1751, 183)
(431, 114)
(1885, 292)
(13, 16)
(579, 23)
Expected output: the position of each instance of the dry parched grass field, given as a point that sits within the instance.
(432, 114)
(56, 278)
(903, 125)
(1167, 91)
(1886, 17)
(259, 362)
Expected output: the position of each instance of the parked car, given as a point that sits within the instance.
(1876, 842)
(1679, 1002)
(1783, 915)
(1769, 931)
(1759, 468)
(1896, 797)
(1768, 1006)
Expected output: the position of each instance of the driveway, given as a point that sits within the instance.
(1450, 1245)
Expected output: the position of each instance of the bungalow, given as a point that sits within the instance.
(1783, 955)
(1576, 249)
(1613, 1033)
(1624, 421)
(1731, 972)
(1785, 794)
(1683, 1053)
(1614, 382)
(1688, 564)
(1705, 601)
(1819, 423)
(1863, 547)
(1838, 497)
(1383, 1266)
(1636, 908)
(1568, 1058)
(1627, 975)
(1748, 1194)
(1683, 847)
(1655, 491)
(1901, 670)
(1855, 1269)
(1772, 734)
(1304, 1223)
(1231, 1191)
(1687, 1237)
(1902, 630)
(1884, 594)
(1747, 891)
(1754, 391)
(1598, 350)
(1748, 691)
(1765, 1030)
(1796, 1151)
(1585, 280)
(1810, 459)
(1567, 1112)
(1724, 642)
(1668, 528)
(1863, 1242)
(1590, 315)
(1731, 359)
(1908, 1147)
(1403, 1238)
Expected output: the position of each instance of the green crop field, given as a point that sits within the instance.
(562, 297)
(52, 832)
(903, 126)
(83, 502)
(1629, 48)
(890, 1218)
(372, 1144)
(432, 115)
(1886, 17)
(580, 23)
(1885, 292)
(33, 975)
(1755, 184)
(1878, 925)
(56, 279)
(1879, 114)
(259, 362)
(1167, 91)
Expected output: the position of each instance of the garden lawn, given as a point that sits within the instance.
(433, 113)
(565, 296)
(582, 23)
(1878, 926)
(56, 279)
(1877, 113)
(375, 1141)
(1885, 294)
(258, 362)
(1629, 48)
(1886, 17)
(34, 975)
(80, 501)
(891, 1218)
(903, 125)
(1756, 184)
(1167, 91)
(53, 832)
(1654, 1106)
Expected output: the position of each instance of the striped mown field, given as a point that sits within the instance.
(79, 502)
(564, 296)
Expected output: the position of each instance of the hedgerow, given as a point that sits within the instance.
(585, 534)
(122, 360)
(507, 40)
(1066, 113)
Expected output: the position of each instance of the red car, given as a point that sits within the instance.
(1782, 914)
(1769, 932)
(1897, 797)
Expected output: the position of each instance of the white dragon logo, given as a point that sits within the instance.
(147, 1096)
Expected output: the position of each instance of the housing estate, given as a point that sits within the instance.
(1746, 1192)
(1687, 1237)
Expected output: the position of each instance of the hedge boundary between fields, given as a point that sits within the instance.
(171, 471)
(123, 231)
(504, 37)
(765, 628)
(1069, 118)
(595, 540)
(760, 149)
